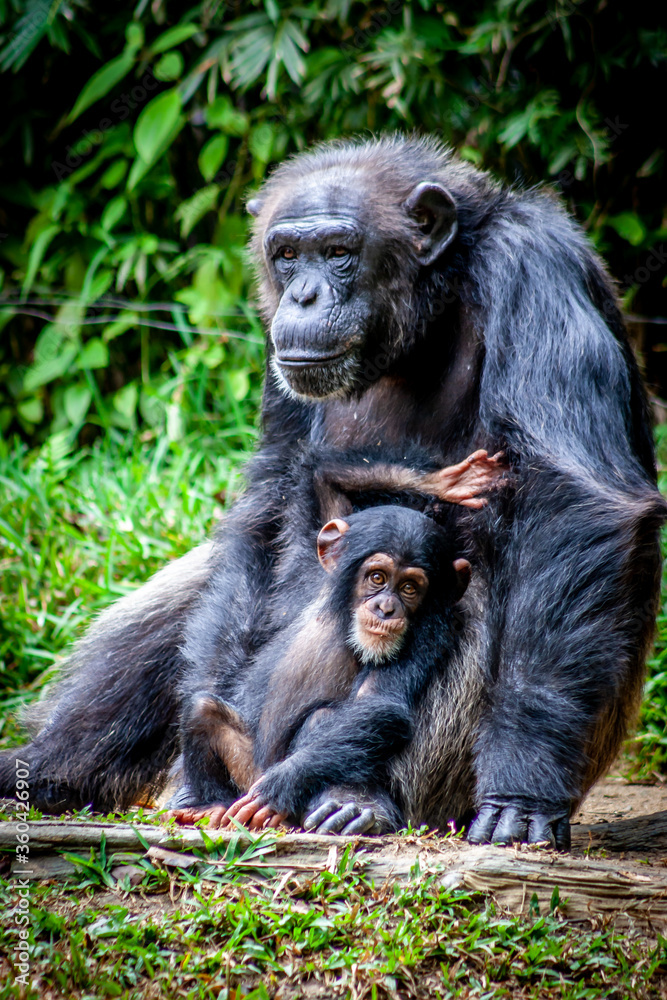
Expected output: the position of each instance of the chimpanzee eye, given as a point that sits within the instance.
(378, 578)
(409, 589)
(287, 253)
(339, 252)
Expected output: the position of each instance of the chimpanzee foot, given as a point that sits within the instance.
(499, 822)
(186, 807)
(214, 812)
(349, 811)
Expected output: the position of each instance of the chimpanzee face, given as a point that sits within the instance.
(339, 278)
(386, 595)
(321, 265)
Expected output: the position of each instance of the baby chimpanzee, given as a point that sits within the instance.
(332, 698)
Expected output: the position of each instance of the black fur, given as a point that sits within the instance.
(300, 755)
(510, 338)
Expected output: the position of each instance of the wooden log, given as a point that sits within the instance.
(516, 876)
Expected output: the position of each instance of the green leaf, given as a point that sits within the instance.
(114, 174)
(169, 67)
(101, 82)
(260, 142)
(629, 227)
(77, 400)
(113, 213)
(37, 252)
(134, 35)
(239, 384)
(31, 410)
(212, 155)
(49, 368)
(223, 115)
(140, 168)
(95, 354)
(25, 34)
(125, 400)
(195, 208)
(155, 123)
(172, 38)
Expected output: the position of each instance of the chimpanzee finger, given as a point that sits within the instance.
(260, 817)
(275, 820)
(245, 815)
(484, 825)
(540, 830)
(477, 456)
(364, 821)
(511, 828)
(315, 818)
(339, 819)
(240, 803)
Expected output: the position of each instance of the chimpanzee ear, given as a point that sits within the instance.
(432, 207)
(463, 571)
(254, 207)
(328, 548)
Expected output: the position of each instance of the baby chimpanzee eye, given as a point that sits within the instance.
(409, 589)
(378, 578)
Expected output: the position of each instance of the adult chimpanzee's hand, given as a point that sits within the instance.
(500, 821)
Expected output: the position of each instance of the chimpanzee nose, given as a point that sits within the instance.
(385, 607)
(305, 293)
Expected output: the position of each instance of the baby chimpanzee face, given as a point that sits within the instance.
(386, 594)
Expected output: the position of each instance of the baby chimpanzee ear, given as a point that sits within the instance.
(328, 543)
(463, 570)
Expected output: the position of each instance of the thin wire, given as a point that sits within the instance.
(158, 324)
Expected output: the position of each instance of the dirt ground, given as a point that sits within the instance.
(614, 798)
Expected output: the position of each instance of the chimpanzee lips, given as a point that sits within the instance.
(387, 626)
(308, 360)
(311, 377)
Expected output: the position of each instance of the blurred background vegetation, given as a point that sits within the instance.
(130, 352)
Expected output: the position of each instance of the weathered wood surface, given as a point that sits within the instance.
(589, 887)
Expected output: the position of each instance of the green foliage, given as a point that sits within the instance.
(214, 932)
(80, 528)
(132, 139)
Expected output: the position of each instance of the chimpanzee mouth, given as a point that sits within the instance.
(308, 361)
(322, 377)
(389, 627)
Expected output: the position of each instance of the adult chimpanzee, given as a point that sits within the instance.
(333, 695)
(411, 299)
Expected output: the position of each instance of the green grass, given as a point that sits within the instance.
(210, 932)
(79, 529)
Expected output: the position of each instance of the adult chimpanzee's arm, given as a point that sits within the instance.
(231, 620)
(572, 589)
